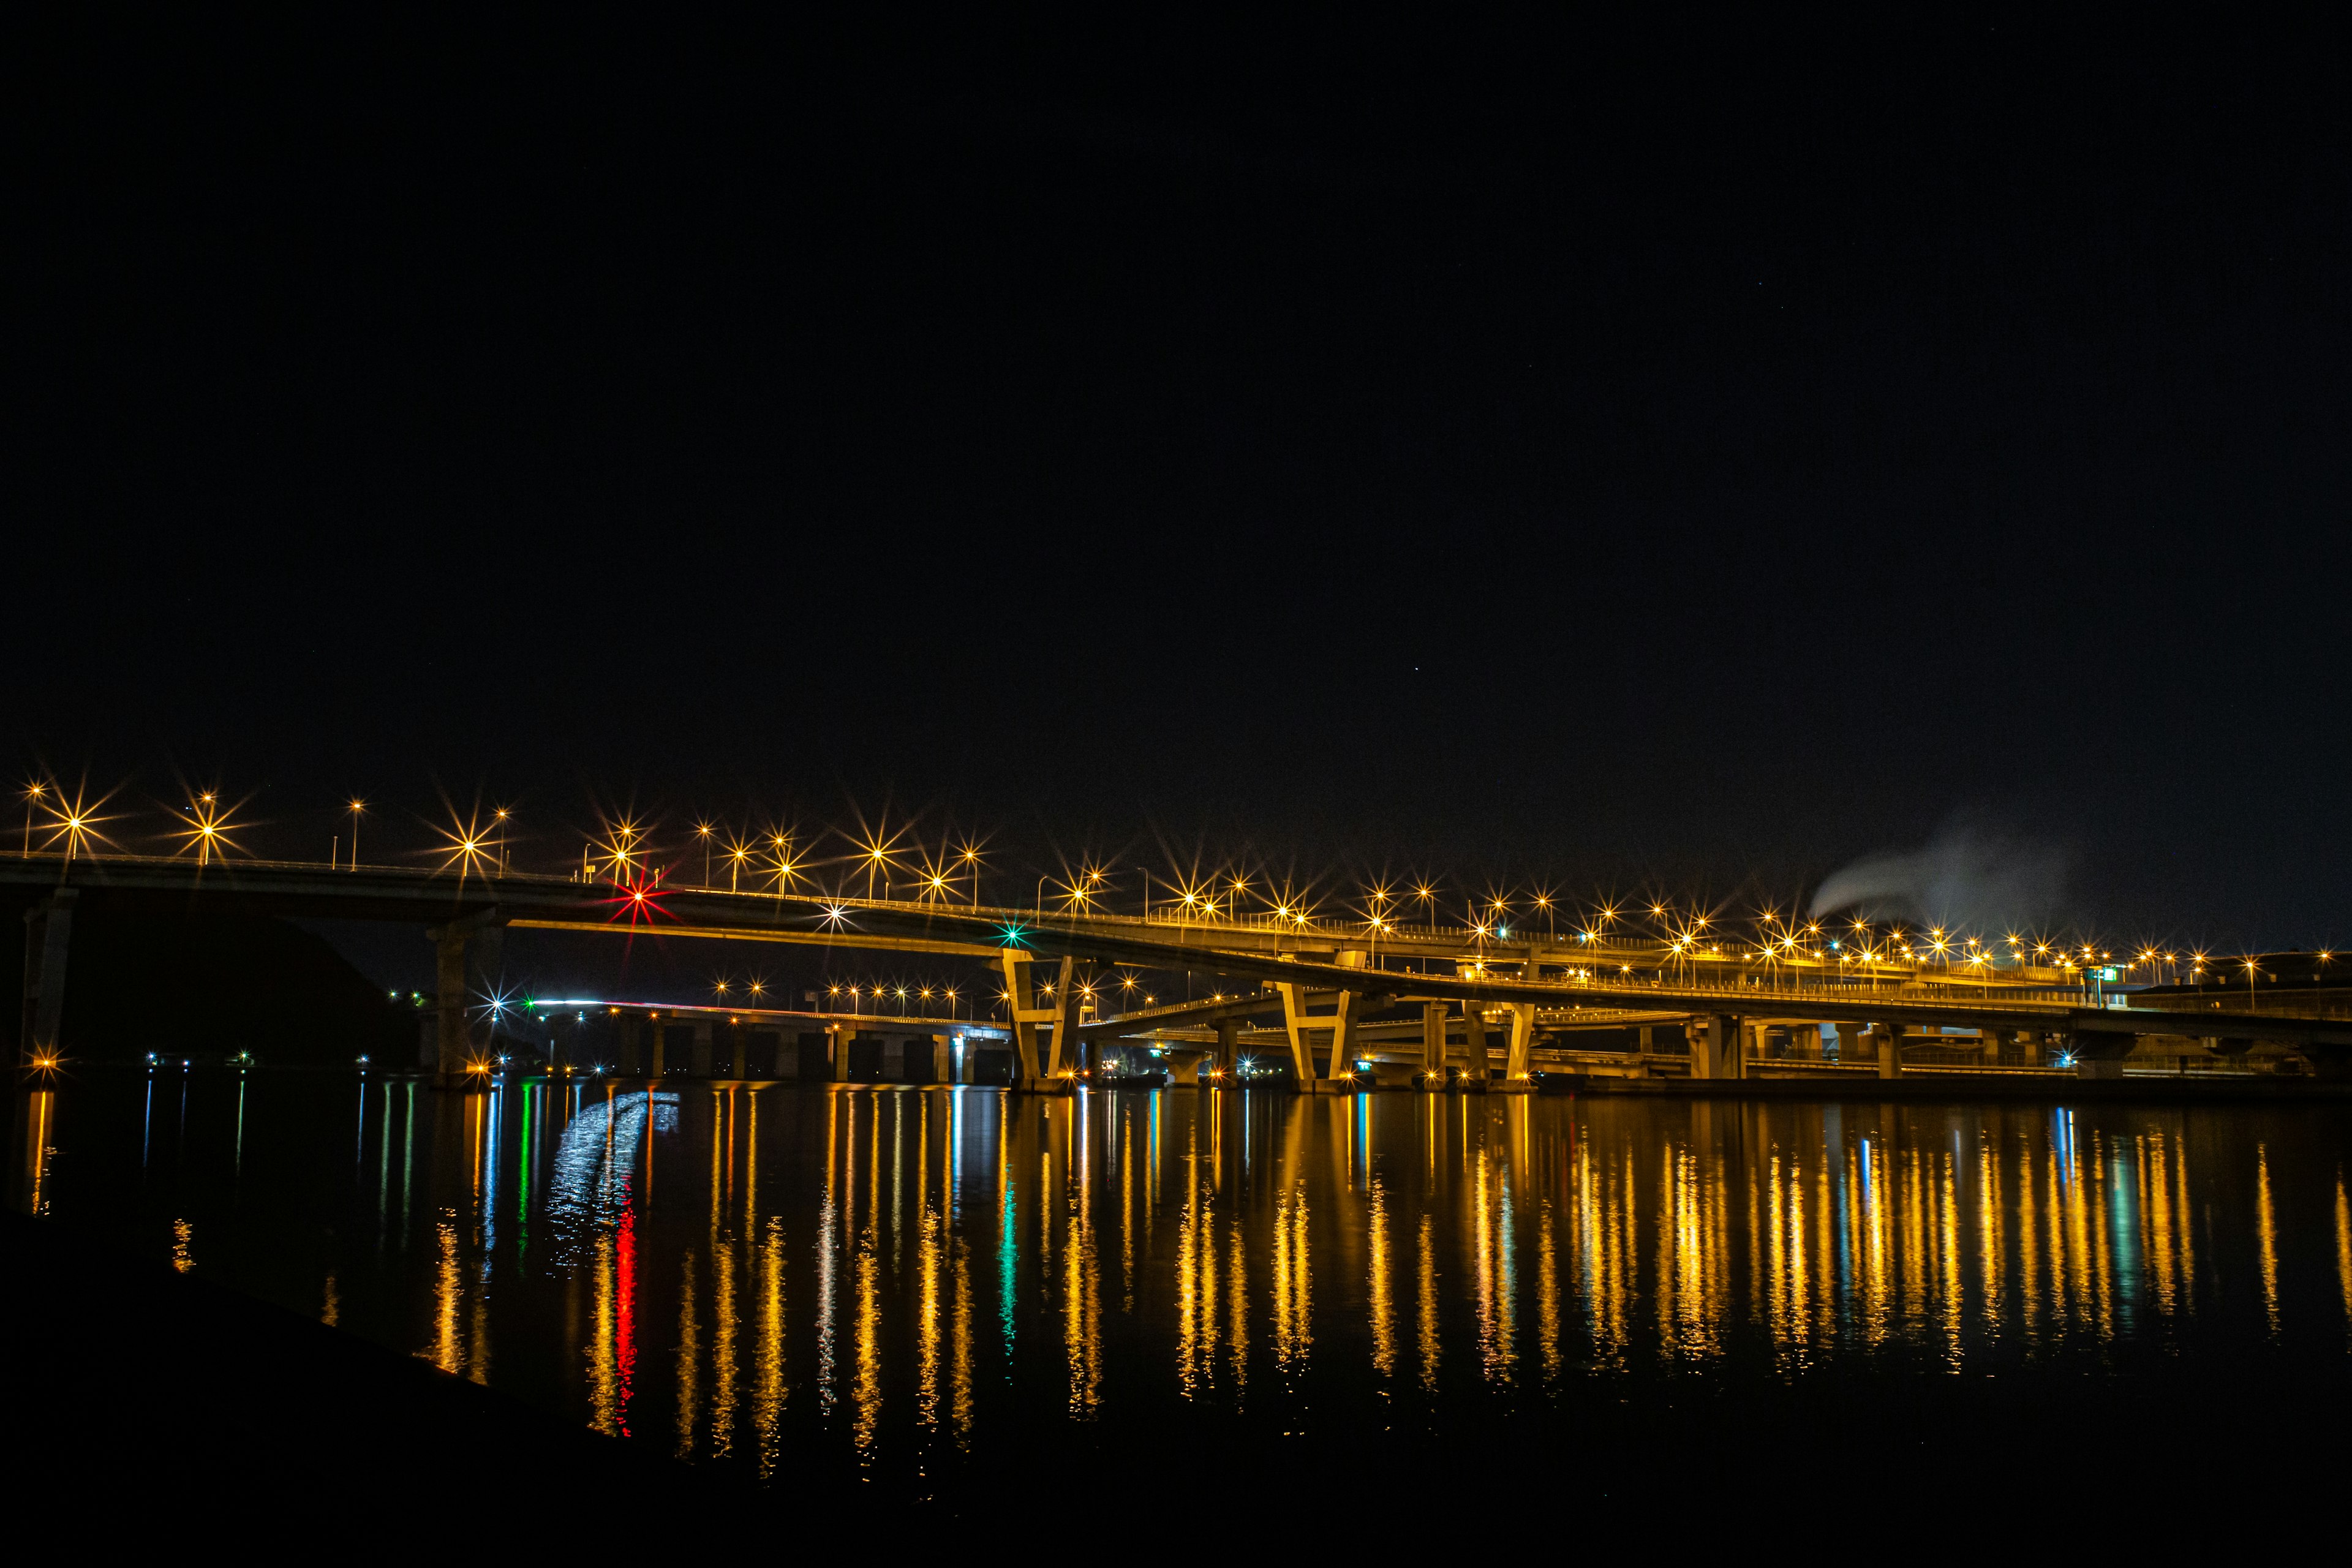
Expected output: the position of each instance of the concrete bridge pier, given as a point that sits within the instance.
(1229, 1049)
(463, 952)
(2100, 1053)
(1889, 1038)
(1433, 1048)
(1474, 1079)
(837, 1039)
(1041, 1035)
(1338, 1077)
(49, 933)
(702, 1048)
(1718, 1046)
(1518, 1056)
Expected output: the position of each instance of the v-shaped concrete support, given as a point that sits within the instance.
(1038, 1061)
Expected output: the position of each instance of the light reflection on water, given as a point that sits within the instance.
(901, 1277)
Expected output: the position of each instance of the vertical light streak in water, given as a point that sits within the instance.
(1427, 1291)
(1491, 1352)
(1689, 1256)
(1237, 1311)
(2343, 1248)
(2103, 1272)
(534, 1100)
(1828, 1276)
(2266, 1230)
(1195, 1297)
(2188, 1226)
(1992, 1248)
(1082, 1274)
(2055, 1215)
(723, 1332)
(1948, 1263)
(2029, 1297)
(768, 1405)
(447, 1296)
(833, 1227)
(147, 1123)
(930, 1319)
(1776, 1259)
(359, 1140)
(959, 1401)
(407, 1163)
(1007, 1237)
(1127, 1207)
(1506, 1252)
(494, 1115)
(605, 1413)
(624, 1311)
(1291, 1291)
(2156, 1214)
(689, 1356)
(866, 1390)
(1383, 1307)
(1546, 1292)
(331, 1310)
(1872, 1172)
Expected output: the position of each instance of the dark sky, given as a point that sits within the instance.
(1693, 461)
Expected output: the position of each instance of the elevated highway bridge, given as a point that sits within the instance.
(1335, 988)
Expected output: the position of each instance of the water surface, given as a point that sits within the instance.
(931, 1291)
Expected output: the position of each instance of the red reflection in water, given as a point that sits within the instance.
(625, 1351)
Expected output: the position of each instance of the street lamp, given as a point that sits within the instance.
(34, 794)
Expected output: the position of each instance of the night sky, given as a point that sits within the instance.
(1688, 463)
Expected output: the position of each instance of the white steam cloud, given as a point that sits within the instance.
(1969, 876)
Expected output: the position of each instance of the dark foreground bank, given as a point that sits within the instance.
(139, 1401)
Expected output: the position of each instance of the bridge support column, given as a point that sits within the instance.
(1432, 1047)
(1474, 1047)
(452, 1045)
(1229, 1051)
(1640, 1066)
(49, 932)
(1040, 1034)
(2100, 1053)
(838, 1038)
(1339, 1076)
(1890, 1049)
(1519, 1059)
(631, 1033)
(702, 1052)
(1715, 1051)
(656, 1055)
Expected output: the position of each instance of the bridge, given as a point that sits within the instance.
(1339, 994)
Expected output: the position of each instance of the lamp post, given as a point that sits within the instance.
(702, 831)
(34, 794)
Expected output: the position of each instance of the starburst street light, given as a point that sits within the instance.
(207, 828)
(466, 848)
(73, 823)
(35, 794)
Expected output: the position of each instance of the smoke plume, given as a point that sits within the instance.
(1969, 876)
